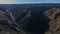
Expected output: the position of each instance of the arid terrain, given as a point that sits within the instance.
(54, 24)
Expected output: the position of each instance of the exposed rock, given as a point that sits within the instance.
(54, 24)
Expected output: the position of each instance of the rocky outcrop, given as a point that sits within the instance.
(54, 24)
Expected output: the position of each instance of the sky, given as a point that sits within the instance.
(27, 1)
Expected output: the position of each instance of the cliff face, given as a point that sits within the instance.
(54, 24)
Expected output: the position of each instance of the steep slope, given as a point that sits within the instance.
(54, 24)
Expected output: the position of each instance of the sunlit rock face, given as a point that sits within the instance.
(54, 24)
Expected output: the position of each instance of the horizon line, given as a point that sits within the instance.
(28, 2)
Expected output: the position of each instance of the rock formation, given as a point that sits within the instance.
(54, 24)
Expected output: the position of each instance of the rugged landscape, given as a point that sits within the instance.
(30, 19)
(54, 23)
